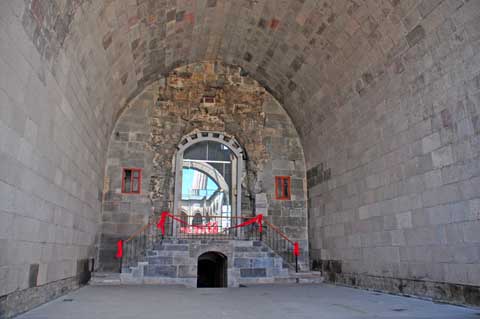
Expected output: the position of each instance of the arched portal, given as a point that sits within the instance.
(197, 219)
(254, 122)
(212, 270)
(208, 177)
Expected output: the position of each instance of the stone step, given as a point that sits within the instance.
(169, 257)
(311, 280)
(165, 256)
(174, 262)
(172, 247)
(105, 278)
(307, 274)
(185, 247)
(198, 242)
(285, 280)
(311, 277)
(308, 277)
(168, 242)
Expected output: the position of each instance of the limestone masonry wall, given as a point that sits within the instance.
(401, 209)
(51, 166)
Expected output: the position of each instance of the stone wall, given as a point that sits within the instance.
(148, 132)
(123, 214)
(349, 73)
(23, 300)
(175, 262)
(400, 209)
(51, 168)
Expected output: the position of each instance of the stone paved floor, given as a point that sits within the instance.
(284, 301)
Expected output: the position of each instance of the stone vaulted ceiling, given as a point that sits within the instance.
(313, 55)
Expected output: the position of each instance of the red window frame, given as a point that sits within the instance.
(280, 187)
(132, 179)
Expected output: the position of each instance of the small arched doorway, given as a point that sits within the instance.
(212, 270)
(197, 219)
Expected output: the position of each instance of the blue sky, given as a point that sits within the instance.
(187, 180)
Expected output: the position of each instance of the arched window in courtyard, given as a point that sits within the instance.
(207, 179)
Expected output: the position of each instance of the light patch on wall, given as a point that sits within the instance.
(106, 184)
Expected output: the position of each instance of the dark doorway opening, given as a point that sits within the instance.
(212, 270)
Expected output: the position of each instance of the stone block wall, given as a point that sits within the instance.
(354, 76)
(51, 166)
(148, 132)
(399, 211)
(176, 262)
(123, 214)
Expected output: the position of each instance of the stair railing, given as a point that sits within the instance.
(209, 227)
(135, 248)
(281, 244)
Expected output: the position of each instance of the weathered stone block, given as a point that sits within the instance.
(161, 260)
(187, 271)
(242, 262)
(161, 271)
(253, 272)
(176, 247)
(416, 35)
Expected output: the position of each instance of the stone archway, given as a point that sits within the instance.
(212, 270)
(228, 142)
(245, 119)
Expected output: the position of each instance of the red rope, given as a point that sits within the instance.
(119, 253)
(161, 222)
(257, 219)
(161, 225)
(163, 218)
(296, 249)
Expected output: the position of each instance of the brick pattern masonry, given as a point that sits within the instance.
(176, 262)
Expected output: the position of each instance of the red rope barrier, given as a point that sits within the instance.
(119, 253)
(161, 222)
(296, 249)
(258, 219)
(163, 218)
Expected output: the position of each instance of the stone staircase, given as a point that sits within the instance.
(104, 278)
(175, 261)
(307, 277)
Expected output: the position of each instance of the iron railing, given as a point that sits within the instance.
(274, 238)
(211, 227)
(136, 247)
